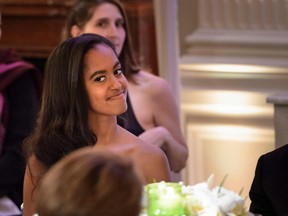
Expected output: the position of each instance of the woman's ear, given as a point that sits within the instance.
(75, 31)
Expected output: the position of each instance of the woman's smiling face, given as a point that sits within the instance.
(104, 81)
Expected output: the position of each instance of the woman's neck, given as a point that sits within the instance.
(105, 128)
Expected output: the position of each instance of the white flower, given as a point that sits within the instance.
(203, 200)
(200, 200)
(228, 200)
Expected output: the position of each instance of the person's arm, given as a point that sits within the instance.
(33, 171)
(260, 203)
(22, 108)
(167, 135)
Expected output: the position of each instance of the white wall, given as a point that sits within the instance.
(226, 72)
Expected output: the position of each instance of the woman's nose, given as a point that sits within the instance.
(113, 31)
(115, 83)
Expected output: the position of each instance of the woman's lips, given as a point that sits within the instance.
(116, 96)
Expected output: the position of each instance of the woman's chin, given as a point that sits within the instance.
(123, 110)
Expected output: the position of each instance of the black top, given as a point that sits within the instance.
(269, 190)
(131, 123)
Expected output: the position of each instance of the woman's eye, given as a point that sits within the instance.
(101, 24)
(118, 71)
(100, 79)
(120, 23)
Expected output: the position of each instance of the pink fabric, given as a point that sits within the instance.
(2, 129)
(1, 103)
(12, 67)
(10, 72)
(7, 67)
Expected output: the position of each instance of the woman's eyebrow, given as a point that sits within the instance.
(96, 73)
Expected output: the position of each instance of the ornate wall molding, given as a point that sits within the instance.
(245, 31)
(243, 14)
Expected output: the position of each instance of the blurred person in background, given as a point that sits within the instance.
(269, 189)
(90, 183)
(20, 86)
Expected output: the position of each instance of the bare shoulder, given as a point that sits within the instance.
(140, 148)
(35, 164)
(34, 167)
(154, 163)
(152, 83)
(34, 170)
(149, 159)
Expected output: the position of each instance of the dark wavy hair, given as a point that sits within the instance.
(62, 124)
(82, 12)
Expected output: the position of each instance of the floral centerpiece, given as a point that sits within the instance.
(177, 199)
